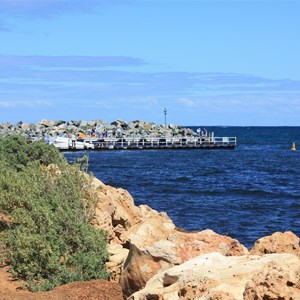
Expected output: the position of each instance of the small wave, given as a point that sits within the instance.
(168, 191)
(250, 192)
(182, 179)
(114, 167)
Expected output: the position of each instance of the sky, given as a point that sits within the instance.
(216, 62)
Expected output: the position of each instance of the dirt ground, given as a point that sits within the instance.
(89, 290)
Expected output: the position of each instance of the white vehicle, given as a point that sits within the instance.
(88, 144)
(62, 142)
(66, 143)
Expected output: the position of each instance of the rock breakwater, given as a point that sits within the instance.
(76, 127)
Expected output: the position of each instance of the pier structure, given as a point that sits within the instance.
(135, 142)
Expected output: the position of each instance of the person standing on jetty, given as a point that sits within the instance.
(73, 138)
(199, 131)
(98, 130)
(119, 132)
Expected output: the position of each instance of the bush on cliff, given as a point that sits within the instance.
(45, 213)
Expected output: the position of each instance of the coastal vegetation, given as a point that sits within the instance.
(45, 211)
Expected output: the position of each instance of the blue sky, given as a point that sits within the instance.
(208, 62)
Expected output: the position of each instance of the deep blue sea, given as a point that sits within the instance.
(246, 193)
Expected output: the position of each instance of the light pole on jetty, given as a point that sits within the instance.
(165, 111)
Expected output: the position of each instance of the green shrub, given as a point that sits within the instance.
(47, 236)
(16, 151)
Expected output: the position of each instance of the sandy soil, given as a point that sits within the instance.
(90, 290)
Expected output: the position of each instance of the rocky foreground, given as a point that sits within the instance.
(152, 259)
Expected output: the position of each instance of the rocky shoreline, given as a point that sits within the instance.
(152, 259)
(76, 127)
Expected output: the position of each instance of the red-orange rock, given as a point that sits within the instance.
(278, 242)
(213, 276)
(277, 281)
(157, 246)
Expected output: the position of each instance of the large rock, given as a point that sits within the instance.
(46, 123)
(155, 245)
(278, 242)
(116, 206)
(278, 281)
(119, 123)
(92, 123)
(59, 122)
(152, 239)
(25, 127)
(74, 122)
(72, 128)
(62, 126)
(216, 277)
(115, 213)
(118, 255)
(83, 123)
(6, 125)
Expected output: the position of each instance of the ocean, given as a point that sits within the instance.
(246, 193)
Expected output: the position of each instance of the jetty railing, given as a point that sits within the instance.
(168, 142)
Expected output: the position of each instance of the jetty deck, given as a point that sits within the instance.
(155, 143)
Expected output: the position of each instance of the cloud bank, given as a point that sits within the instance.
(85, 86)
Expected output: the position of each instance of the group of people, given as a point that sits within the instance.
(202, 132)
(102, 132)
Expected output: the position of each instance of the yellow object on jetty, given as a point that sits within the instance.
(293, 147)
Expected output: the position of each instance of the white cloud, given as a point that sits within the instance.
(19, 104)
(89, 86)
(188, 102)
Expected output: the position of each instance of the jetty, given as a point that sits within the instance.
(145, 143)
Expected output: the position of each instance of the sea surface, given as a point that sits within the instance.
(246, 193)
